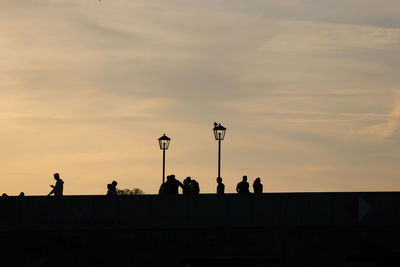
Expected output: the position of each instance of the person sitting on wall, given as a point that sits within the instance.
(257, 186)
(58, 188)
(243, 186)
(220, 186)
(112, 189)
(172, 185)
(187, 187)
(195, 187)
(161, 191)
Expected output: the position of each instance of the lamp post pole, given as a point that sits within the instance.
(163, 162)
(219, 134)
(219, 157)
(163, 141)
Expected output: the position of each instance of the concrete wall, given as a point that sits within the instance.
(204, 211)
(310, 229)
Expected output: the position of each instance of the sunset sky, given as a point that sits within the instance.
(309, 91)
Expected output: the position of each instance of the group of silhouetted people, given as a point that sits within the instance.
(170, 187)
(243, 186)
(192, 187)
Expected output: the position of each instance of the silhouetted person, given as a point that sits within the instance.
(58, 187)
(109, 188)
(220, 186)
(166, 186)
(195, 187)
(22, 194)
(243, 186)
(257, 186)
(112, 189)
(172, 185)
(161, 191)
(4, 195)
(187, 186)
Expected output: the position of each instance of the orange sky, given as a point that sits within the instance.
(309, 92)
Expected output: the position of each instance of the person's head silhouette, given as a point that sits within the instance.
(187, 180)
(169, 177)
(257, 180)
(219, 180)
(114, 183)
(56, 176)
(244, 178)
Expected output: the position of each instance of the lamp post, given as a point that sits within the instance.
(163, 141)
(219, 134)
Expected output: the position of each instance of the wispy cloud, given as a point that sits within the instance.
(386, 129)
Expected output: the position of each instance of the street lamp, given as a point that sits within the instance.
(219, 134)
(163, 141)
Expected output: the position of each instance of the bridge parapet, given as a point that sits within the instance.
(203, 211)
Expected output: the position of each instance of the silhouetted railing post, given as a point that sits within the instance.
(163, 141)
(219, 134)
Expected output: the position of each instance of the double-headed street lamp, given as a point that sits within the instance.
(164, 144)
(219, 134)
